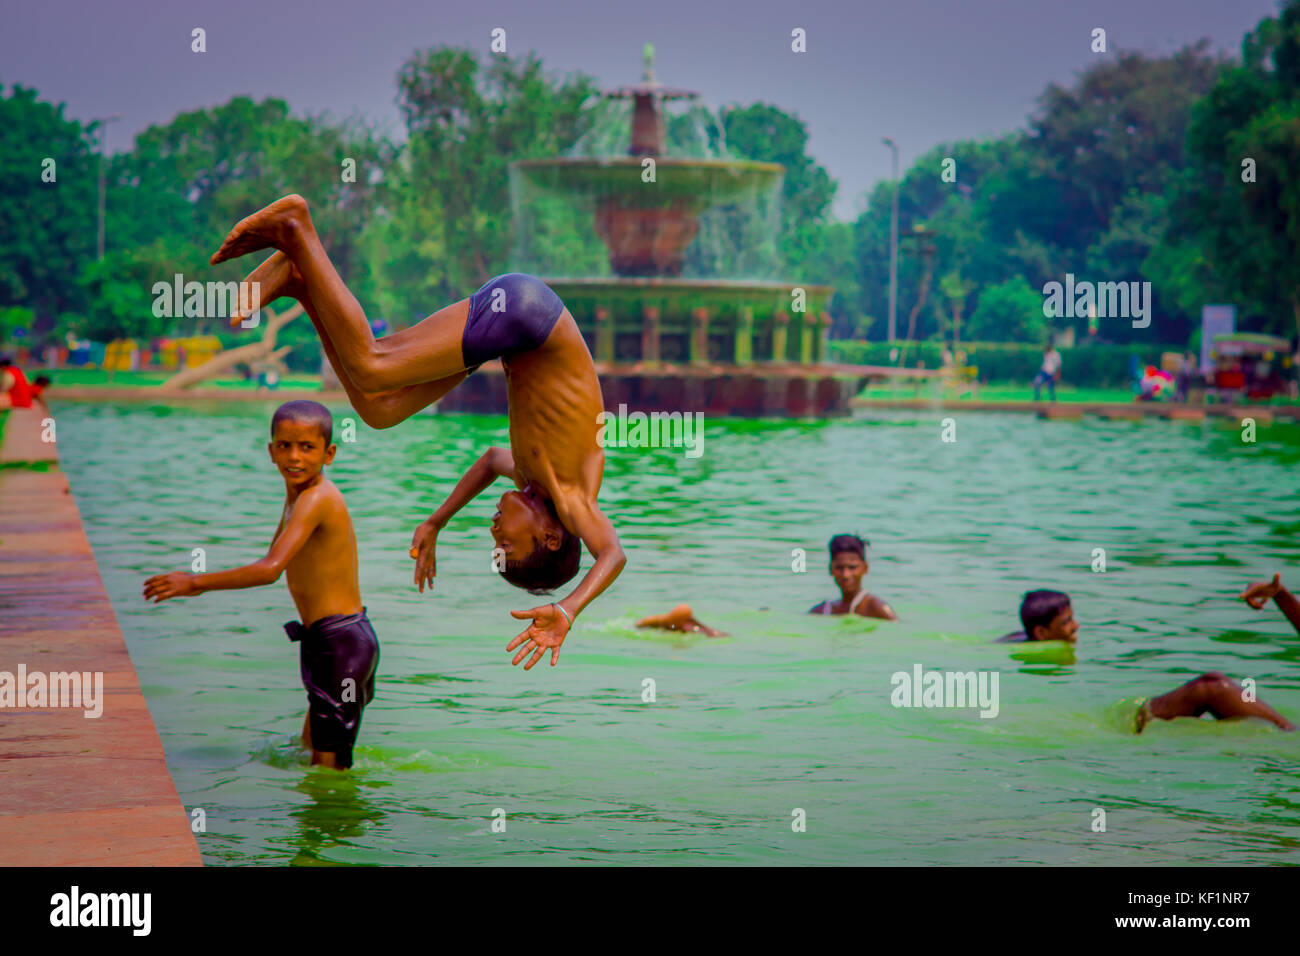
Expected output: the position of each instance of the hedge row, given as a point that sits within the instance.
(1088, 366)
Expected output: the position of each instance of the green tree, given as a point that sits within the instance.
(1080, 190)
(186, 183)
(466, 124)
(47, 229)
(1241, 200)
(764, 133)
(13, 320)
(1120, 128)
(1011, 311)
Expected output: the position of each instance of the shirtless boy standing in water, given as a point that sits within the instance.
(315, 547)
(554, 395)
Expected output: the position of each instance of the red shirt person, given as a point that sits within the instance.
(15, 392)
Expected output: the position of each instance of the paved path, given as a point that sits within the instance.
(73, 790)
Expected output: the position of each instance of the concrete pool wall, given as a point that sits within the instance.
(74, 789)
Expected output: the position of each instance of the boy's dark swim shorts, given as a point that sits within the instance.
(512, 313)
(334, 649)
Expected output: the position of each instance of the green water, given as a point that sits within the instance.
(793, 711)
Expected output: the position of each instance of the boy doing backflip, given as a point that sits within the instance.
(554, 458)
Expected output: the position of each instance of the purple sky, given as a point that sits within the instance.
(919, 71)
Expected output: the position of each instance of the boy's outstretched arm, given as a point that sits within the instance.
(308, 512)
(1257, 596)
(549, 626)
(492, 464)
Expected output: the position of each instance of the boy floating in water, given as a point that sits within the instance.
(1048, 616)
(554, 400)
(848, 567)
(315, 546)
(1045, 616)
(680, 618)
(1215, 694)
(1212, 694)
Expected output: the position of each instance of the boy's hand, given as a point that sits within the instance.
(160, 587)
(548, 629)
(423, 543)
(1261, 592)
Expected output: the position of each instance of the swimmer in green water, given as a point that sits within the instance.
(1045, 616)
(848, 567)
(1049, 616)
(1212, 693)
(1258, 594)
(680, 618)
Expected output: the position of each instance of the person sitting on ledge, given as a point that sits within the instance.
(1211, 693)
(681, 619)
(1258, 594)
(848, 567)
(1045, 616)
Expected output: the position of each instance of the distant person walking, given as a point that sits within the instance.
(1187, 371)
(1049, 373)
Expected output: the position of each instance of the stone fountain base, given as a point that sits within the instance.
(768, 391)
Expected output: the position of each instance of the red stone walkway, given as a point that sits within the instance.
(73, 790)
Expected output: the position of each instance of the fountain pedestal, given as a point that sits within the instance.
(663, 342)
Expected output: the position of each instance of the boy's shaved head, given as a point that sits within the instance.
(313, 413)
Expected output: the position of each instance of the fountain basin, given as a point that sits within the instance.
(647, 226)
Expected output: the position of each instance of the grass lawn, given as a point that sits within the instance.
(1014, 393)
(1000, 393)
(97, 377)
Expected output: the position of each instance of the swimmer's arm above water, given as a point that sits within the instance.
(492, 464)
(1257, 596)
(312, 509)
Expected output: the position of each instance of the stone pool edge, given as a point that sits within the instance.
(74, 790)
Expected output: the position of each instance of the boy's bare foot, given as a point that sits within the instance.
(266, 227)
(276, 277)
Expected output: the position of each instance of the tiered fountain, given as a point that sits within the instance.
(744, 347)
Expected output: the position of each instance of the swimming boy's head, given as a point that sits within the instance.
(301, 440)
(540, 553)
(1048, 616)
(848, 561)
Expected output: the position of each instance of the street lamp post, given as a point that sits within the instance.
(893, 247)
(100, 122)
